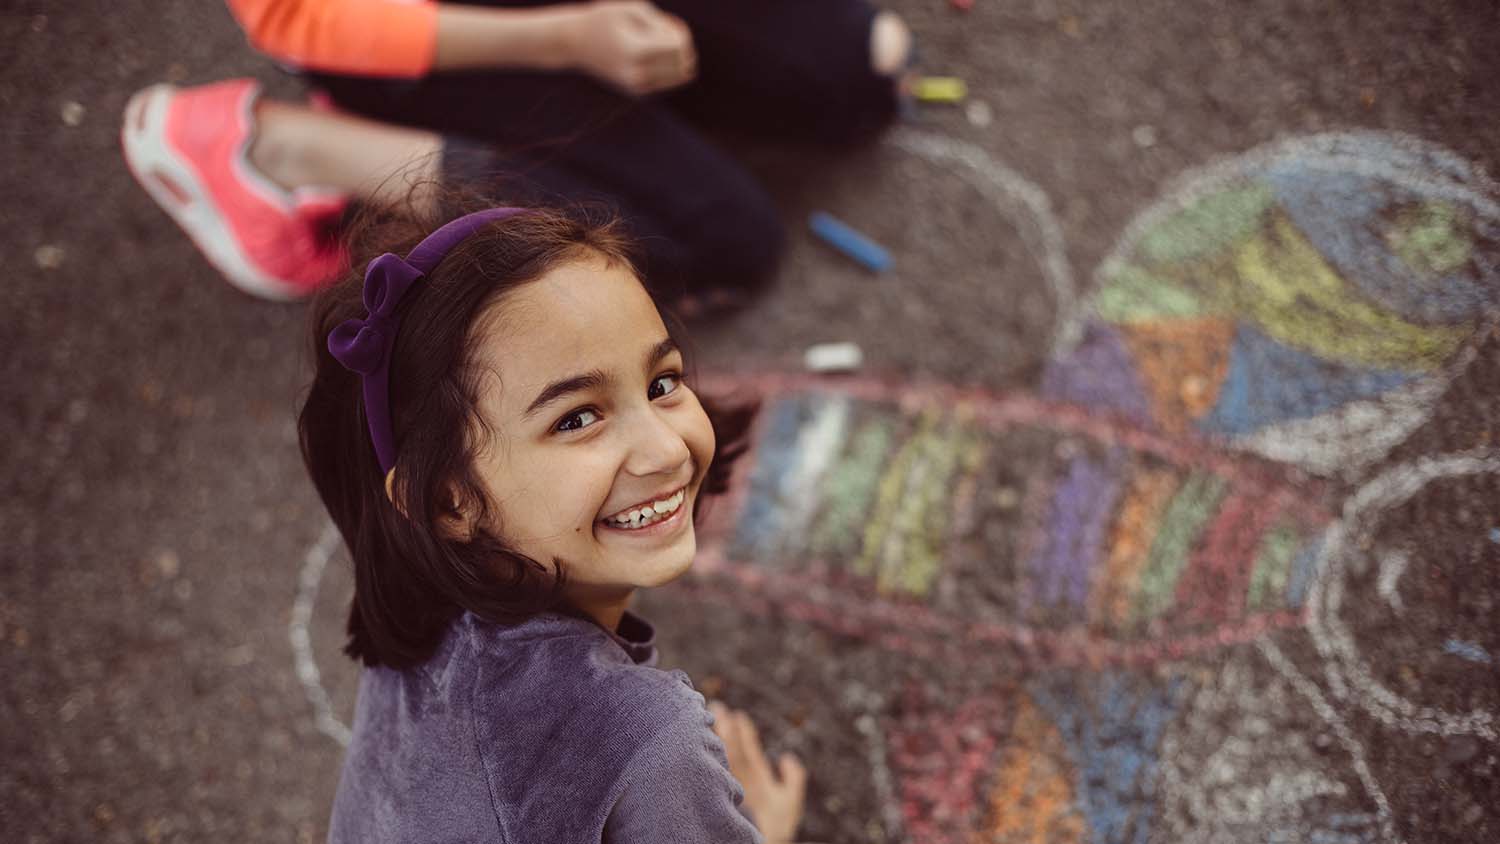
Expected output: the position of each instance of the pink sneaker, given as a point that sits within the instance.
(189, 149)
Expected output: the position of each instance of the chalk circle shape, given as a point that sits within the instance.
(1022, 201)
(1348, 669)
(1359, 269)
(304, 659)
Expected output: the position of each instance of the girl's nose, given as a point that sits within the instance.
(656, 448)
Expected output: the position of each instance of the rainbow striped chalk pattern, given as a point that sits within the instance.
(895, 499)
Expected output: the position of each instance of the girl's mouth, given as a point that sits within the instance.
(641, 517)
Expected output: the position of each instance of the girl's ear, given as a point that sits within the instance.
(455, 523)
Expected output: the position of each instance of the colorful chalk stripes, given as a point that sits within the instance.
(891, 491)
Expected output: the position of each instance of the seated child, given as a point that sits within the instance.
(502, 430)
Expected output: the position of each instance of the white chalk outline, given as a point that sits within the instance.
(1012, 193)
(308, 581)
(1192, 791)
(1349, 675)
(1393, 564)
(1361, 432)
(867, 724)
(1340, 728)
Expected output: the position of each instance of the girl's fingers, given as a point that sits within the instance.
(724, 728)
(793, 775)
(755, 757)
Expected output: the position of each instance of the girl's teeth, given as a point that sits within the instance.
(648, 514)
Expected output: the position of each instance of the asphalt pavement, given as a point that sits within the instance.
(165, 554)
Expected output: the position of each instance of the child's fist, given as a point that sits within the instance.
(633, 46)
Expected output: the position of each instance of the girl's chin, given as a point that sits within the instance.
(671, 563)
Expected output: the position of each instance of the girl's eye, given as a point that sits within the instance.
(576, 421)
(664, 385)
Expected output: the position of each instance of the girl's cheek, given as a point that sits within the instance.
(700, 438)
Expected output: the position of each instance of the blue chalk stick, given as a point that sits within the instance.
(850, 242)
(1467, 650)
(1495, 535)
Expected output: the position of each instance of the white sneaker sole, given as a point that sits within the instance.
(154, 163)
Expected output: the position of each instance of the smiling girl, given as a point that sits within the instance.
(500, 427)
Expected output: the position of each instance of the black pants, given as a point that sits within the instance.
(788, 69)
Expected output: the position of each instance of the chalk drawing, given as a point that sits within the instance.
(939, 756)
(1239, 765)
(1348, 673)
(917, 461)
(1082, 507)
(1027, 206)
(1113, 541)
(1346, 736)
(1308, 300)
(1393, 564)
(1112, 725)
(305, 663)
(868, 726)
(1032, 799)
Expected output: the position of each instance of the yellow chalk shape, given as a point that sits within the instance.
(939, 89)
(881, 531)
(1293, 295)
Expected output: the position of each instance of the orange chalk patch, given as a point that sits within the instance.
(1032, 801)
(1182, 364)
(1130, 545)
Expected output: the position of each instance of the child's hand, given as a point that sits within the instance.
(773, 797)
(633, 45)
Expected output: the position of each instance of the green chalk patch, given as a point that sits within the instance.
(1207, 225)
(1181, 523)
(1134, 294)
(1431, 238)
(1273, 562)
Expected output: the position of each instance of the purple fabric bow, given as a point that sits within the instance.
(364, 345)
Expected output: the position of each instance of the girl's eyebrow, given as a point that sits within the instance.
(593, 379)
(659, 351)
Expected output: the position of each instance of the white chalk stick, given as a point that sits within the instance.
(833, 357)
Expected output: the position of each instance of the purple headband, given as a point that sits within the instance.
(364, 345)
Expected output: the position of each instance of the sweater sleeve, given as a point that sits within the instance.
(395, 38)
(678, 789)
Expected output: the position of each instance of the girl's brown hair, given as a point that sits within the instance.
(410, 581)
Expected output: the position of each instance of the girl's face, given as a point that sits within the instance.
(596, 448)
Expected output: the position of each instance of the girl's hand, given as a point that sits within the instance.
(773, 797)
(632, 45)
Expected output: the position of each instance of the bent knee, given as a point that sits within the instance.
(744, 255)
(890, 44)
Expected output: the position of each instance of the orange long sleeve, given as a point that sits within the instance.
(355, 37)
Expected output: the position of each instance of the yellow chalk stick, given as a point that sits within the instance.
(939, 89)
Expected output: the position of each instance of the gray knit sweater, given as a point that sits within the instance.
(554, 731)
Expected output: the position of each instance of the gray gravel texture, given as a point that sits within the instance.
(157, 515)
